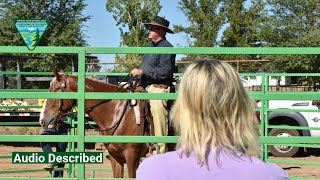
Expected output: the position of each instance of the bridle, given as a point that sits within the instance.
(61, 114)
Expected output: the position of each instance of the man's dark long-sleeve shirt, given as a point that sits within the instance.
(158, 68)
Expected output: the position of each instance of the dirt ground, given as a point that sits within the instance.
(306, 171)
(6, 165)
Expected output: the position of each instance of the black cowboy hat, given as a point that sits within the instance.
(161, 22)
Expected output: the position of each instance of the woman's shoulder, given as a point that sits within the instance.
(162, 158)
(249, 166)
(156, 165)
(268, 168)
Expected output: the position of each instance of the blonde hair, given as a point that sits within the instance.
(213, 111)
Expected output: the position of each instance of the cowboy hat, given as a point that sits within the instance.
(161, 22)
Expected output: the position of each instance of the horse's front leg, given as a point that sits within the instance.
(133, 154)
(117, 168)
(132, 163)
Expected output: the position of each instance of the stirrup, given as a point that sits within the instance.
(154, 148)
(158, 149)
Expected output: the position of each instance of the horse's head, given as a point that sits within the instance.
(52, 108)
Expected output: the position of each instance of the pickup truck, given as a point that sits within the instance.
(304, 119)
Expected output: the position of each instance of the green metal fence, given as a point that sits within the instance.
(264, 95)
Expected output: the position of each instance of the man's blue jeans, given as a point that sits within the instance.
(60, 147)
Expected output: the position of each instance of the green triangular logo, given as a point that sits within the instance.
(31, 31)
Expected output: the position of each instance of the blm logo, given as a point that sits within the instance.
(31, 31)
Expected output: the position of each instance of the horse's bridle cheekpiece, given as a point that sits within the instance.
(63, 87)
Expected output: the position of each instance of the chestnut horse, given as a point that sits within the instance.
(115, 115)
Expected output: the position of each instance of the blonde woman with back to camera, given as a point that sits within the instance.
(215, 118)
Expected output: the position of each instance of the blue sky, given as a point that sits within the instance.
(102, 30)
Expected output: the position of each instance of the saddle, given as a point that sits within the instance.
(161, 86)
(138, 89)
(135, 87)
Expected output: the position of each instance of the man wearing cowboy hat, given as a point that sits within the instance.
(156, 71)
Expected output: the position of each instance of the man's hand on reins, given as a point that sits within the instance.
(137, 72)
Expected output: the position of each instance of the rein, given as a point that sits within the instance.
(114, 125)
(87, 110)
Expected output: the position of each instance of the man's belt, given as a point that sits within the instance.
(161, 86)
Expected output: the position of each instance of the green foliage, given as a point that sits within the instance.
(289, 20)
(130, 16)
(243, 30)
(205, 18)
(299, 63)
(293, 24)
(65, 21)
(243, 23)
(37, 37)
(255, 23)
(65, 28)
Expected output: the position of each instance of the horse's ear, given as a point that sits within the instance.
(56, 75)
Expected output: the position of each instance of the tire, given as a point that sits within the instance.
(283, 151)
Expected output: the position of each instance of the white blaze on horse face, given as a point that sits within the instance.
(51, 84)
(42, 111)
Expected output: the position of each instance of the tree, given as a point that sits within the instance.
(299, 63)
(289, 20)
(65, 28)
(130, 16)
(243, 29)
(243, 23)
(205, 20)
(293, 24)
(37, 37)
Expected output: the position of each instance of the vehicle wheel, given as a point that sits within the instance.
(283, 151)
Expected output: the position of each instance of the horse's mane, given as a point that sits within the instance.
(96, 82)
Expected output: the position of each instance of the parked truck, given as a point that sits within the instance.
(302, 119)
